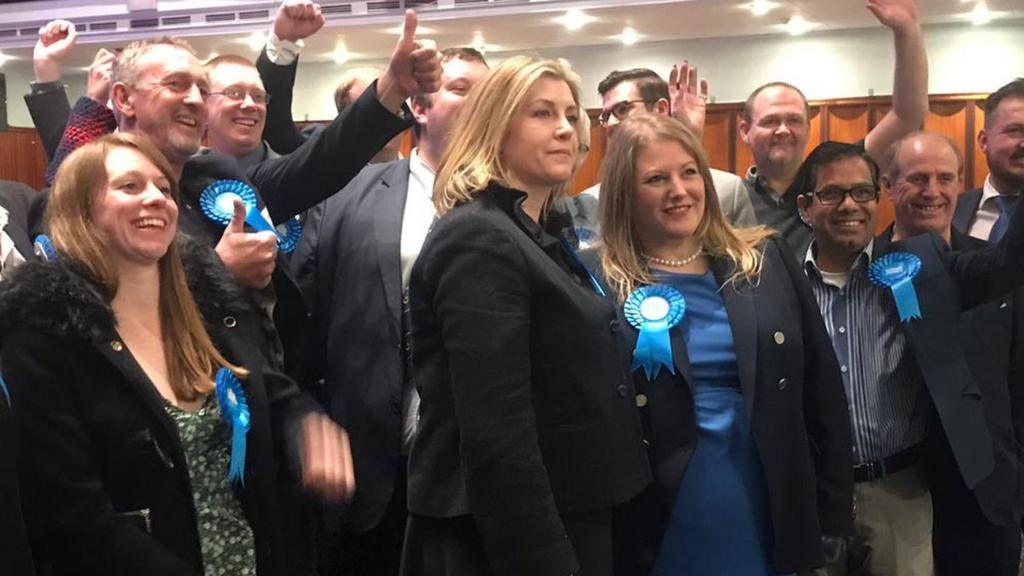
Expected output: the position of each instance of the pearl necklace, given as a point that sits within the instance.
(675, 263)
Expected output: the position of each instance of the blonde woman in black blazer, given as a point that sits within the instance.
(746, 417)
(527, 435)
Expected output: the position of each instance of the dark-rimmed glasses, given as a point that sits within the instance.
(620, 110)
(239, 94)
(834, 195)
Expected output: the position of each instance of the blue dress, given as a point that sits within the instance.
(719, 524)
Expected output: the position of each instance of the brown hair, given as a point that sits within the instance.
(473, 157)
(621, 257)
(191, 356)
(125, 69)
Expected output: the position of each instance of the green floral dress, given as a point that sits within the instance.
(226, 540)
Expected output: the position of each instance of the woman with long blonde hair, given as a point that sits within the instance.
(737, 383)
(153, 436)
(527, 434)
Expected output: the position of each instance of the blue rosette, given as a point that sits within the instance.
(288, 235)
(44, 249)
(217, 203)
(654, 310)
(896, 271)
(235, 410)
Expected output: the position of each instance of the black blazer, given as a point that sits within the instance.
(966, 206)
(949, 283)
(994, 346)
(15, 555)
(49, 109)
(279, 81)
(349, 263)
(526, 399)
(795, 403)
(99, 452)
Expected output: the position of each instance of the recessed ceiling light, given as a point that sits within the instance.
(5, 57)
(574, 19)
(341, 54)
(797, 25)
(420, 30)
(761, 7)
(629, 36)
(981, 15)
(255, 41)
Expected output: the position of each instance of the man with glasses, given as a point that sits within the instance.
(886, 393)
(626, 92)
(913, 387)
(236, 110)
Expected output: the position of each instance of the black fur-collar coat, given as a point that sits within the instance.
(105, 485)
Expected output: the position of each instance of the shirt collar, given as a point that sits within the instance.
(420, 169)
(811, 261)
(988, 191)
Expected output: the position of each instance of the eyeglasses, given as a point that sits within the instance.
(834, 195)
(239, 94)
(178, 86)
(620, 110)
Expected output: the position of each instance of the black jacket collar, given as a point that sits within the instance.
(62, 300)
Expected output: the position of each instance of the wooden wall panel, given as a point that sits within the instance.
(590, 172)
(950, 119)
(847, 122)
(744, 159)
(814, 135)
(21, 157)
(980, 168)
(717, 132)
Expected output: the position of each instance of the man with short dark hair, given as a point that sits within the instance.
(984, 212)
(354, 264)
(776, 125)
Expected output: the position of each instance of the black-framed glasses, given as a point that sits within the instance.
(834, 195)
(239, 94)
(620, 110)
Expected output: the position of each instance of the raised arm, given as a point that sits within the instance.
(296, 20)
(48, 101)
(326, 163)
(910, 78)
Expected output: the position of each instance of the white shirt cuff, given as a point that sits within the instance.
(282, 52)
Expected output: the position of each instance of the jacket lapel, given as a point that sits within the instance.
(389, 198)
(743, 321)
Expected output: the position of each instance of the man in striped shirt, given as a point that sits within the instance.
(889, 404)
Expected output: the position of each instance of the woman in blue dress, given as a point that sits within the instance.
(737, 385)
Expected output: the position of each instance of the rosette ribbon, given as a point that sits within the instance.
(217, 202)
(654, 310)
(235, 410)
(896, 271)
(44, 249)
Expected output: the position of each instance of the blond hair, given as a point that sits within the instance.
(473, 156)
(125, 69)
(624, 265)
(191, 356)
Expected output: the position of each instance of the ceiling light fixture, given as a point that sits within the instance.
(981, 15)
(574, 19)
(797, 25)
(4, 58)
(478, 42)
(761, 7)
(629, 36)
(341, 54)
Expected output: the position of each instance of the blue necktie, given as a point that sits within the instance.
(1006, 205)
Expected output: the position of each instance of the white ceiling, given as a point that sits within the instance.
(529, 25)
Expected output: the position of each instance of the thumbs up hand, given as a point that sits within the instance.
(249, 256)
(415, 68)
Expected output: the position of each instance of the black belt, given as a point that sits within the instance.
(867, 471)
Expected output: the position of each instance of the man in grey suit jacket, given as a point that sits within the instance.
(983, 212)
(354, 265)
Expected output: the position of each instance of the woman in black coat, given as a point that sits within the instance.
(15, 555)
(527, 435)
(132, 459)
(737, 383)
